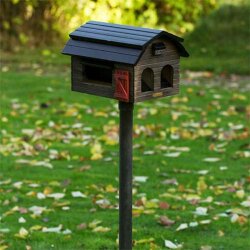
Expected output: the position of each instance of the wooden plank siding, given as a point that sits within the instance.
(170, 56)
(80, 84)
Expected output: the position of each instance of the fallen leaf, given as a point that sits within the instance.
(21, 220)
(37, 210)
(240, 194)
(28, 247)
(200, 211)
(164, 205)
(4, 230)
(193, 224)
(242, 220)
(169, 244)
(52, 229)
(56, 196)
(151, 203)
(223, 168)
(103, 203)
(143, 241)
(78, 194)
(234, 218)
(96, 151)
(140, 178)
(4, 247)
(203, 172)
(165, 221)
(94, 223)
(221, 233)
(204, 222)
(84, 168)
(101, 229)
(211, 159)
(182, 227)
(23, 233)
(206, 248)
(201, 184)
(35, 228)
(81, 226)
(66, 232)
(40, 196)
(245, 203)
(172, 181)
(110, 189)
(173, 154)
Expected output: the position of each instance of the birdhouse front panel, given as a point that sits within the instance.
(126, 63)
(157, 71)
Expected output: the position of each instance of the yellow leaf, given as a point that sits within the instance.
(96, 151)
(137, 212)
(110, 189)
(4, 247)
(71, 112)
(240, 194)
(23, 233)
(61, 204)
(55, 183)
(143, 241)
(94, 223)
(151, 204)
(149, 211)
(101, 229)
(35, 228)
(201, 185)
(31, 193)
(100, 114)
(221, 233)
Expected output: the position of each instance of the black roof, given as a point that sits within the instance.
(115, 42)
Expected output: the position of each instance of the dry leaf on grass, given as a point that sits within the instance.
(165, 221)
(169, 244)
(78, 194)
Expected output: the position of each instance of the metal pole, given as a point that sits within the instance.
(125, 190)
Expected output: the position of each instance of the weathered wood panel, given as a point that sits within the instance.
(104, 89)
(169, 56)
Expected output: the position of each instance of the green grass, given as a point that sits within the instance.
(210, 117)
(205, 116)
(220, 42)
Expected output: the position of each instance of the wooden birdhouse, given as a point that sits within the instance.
(126, 63)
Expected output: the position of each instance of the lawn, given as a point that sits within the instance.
(220, 41)
(59, 152)
(59, 164)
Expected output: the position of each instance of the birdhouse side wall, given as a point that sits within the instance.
(169, 56)
(81, 83)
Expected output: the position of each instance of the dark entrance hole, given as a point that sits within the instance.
(167, 76)
(99, 74)
(147, 80)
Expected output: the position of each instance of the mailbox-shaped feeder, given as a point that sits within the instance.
(126, 63)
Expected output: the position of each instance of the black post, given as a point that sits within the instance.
(125, 190)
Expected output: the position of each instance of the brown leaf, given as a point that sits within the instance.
(84, 168)
(242, 219)
(81, 226)
(165, 221)
(139, 203)
(164, 205)
(23, 210)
